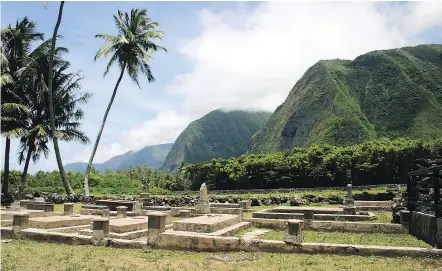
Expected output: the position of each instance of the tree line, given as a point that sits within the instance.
(41, 99)
(127, 182)
(381, 161)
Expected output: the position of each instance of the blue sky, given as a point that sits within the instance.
(235, 55)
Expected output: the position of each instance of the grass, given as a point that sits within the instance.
(60, 207)
(378, 239)
(381, 217)
(29, 255)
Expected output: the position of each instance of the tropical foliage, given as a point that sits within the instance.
(373, 162)
(25, 80)
(120, 182)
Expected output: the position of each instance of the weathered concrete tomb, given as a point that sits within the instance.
(206, 223)
(131, 205)
(313, 213)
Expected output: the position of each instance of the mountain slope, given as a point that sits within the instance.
(150, 156)
(387, 93)
(217, 134)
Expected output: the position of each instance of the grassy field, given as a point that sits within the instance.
(378, 239)
(29, 255)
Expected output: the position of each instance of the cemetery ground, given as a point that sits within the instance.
(183, 237)
(30, 255)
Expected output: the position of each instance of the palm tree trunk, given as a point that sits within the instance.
(5, 184)
(25, 172)
(94, 150)
(63, 176)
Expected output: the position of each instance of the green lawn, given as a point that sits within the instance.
(376, 239)
(29, 255)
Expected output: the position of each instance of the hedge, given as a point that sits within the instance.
(381, 161)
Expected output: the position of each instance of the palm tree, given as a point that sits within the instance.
(63, 176)
(16, 46)
(131, 50)
(66, 111)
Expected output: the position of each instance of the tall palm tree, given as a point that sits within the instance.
(130, 50)
(16, 46)
(66, 101)
(63, 176)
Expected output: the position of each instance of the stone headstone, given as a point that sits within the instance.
(203, 203)
(145, 185)
(204, 198)
(294, 231)
(349, 201)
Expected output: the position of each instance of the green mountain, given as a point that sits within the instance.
(150, 156)
(218, 134)
(387, 93)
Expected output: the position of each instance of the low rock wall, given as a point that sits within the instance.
(427, 228)
(356, 227)
(218, 244)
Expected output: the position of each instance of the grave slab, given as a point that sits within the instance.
(206, 223)
(128, 224)
(51, 222)
(8, 214)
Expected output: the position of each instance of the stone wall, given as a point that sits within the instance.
(214, 243)
(427, 228)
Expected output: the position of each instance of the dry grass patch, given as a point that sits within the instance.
(375, 239)
(29, 255)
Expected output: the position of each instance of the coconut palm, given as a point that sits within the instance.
(63, 176)
(131, 50)
(15, 48)
(66, 101)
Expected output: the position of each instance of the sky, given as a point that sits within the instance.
(232, 55)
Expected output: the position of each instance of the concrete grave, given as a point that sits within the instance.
(51, 222)
(37, 205)
(289, 212)
(101, 210)
(128, 224)
(206, 223)
(8, 214)
(131, 205)
(365, 205)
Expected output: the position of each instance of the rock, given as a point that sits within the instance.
(296, 201)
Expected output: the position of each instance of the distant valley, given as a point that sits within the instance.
(150, 156)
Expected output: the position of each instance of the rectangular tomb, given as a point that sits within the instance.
(273, 215)
(206, 223)
(387, 203)
(225, 205)
(51, 222)
(127, 224)
(157, 208)
(113, 204)
(8, 214)
(303, 209)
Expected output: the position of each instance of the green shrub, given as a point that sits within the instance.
(379, 161)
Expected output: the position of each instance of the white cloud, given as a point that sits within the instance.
(164, 128)
(255, 61)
